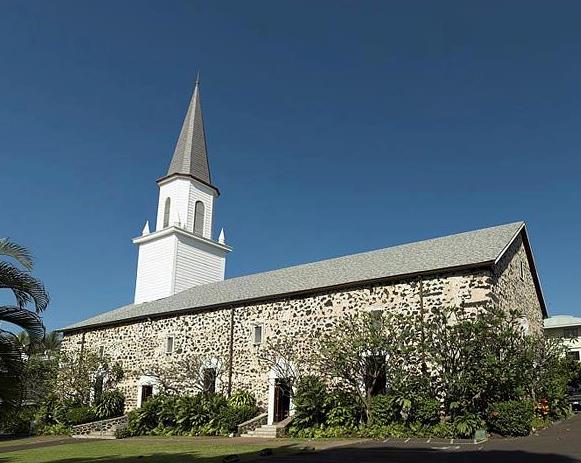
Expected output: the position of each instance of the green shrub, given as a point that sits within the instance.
(199, 415)
(511, 418)
(310, 402)
(425, 411)
(242, 398)
(443, 429)
(194, 412)
(16, 421)
(110, 404)
(466, 425)
(342, 410)
(61, 408)
(146, 418)
(540, 423)
(79, 415)
(167, 411)
(134, 426)
(122, 433)
(231, 416)
(154, 414)
(389, 409)
(57, 429)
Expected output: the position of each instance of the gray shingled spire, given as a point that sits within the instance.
(190, 156)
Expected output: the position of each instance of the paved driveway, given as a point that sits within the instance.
(559, 444)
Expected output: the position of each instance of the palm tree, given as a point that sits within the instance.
(48, 347)
(26, 290)
(51, 343)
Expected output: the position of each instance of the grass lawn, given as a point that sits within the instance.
(149, 450)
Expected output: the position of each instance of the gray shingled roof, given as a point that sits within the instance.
(480, 247)
(561, 321)
(190, 156)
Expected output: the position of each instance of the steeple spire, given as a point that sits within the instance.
(190, 156)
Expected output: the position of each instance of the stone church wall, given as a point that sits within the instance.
(511, 291)
(139, 345)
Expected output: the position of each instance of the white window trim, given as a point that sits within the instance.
(376, 308)
(216, 365)
(146, 380)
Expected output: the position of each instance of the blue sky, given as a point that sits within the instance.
(333, 127)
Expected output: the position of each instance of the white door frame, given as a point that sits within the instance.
(272, 377)
(146, 380)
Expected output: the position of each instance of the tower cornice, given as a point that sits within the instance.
(174, 230)
(167, 178)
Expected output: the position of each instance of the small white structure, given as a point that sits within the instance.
(567, 327)
(181, 253)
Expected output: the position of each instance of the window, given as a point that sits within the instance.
(209, 375)
(571, 332)
(199, 212)
(146, 393)
(573, 355)
(257, 334)
(169, 344)
(522, 270)
(98, 387)
(166, 211)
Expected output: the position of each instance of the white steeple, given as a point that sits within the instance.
(181, 253)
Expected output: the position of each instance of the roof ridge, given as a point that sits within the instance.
(372, 251)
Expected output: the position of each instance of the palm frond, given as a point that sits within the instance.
(25, 287)
(11, 366)
(23, 339)
(25, 319)
(52, 341)
(17, 252)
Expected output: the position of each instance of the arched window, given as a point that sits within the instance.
(166, 210)
(199, 218)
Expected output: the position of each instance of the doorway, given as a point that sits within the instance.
(282, 397)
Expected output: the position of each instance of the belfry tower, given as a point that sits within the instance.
(181, 252)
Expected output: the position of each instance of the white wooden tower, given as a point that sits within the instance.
(181, 253)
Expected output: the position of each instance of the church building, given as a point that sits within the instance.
(185, 309)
